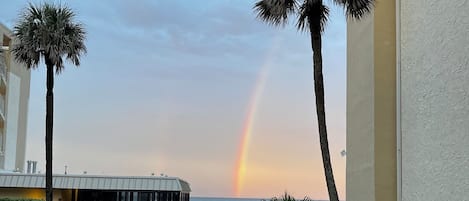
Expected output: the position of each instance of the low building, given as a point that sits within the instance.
(95, 188)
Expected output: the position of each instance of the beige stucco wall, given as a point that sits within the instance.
(371, 106)
(385, 101)
(435, 99)
(360, 95)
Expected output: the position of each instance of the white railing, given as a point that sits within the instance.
(3, 65)
(2, 106)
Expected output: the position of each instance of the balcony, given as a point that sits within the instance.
(3, 73)
(3, 69)
(2, 110)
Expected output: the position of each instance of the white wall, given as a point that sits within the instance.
(435, 99)
(16, 112)
(11, 137)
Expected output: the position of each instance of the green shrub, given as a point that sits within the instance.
(286, 197)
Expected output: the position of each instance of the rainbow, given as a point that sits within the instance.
(240, 170)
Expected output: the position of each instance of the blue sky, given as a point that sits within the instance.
(165, 86)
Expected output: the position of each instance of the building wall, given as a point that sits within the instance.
(360, 98)
(385, 101)
(23, 77)
(16, 99)
(31, 193)
(371, 106)
(435, 99)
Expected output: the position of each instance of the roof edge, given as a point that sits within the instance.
(91, 176)
(7, 30)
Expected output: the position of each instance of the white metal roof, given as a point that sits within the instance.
(95, 182)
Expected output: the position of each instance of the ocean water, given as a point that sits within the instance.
(229, 199)
(224, 199)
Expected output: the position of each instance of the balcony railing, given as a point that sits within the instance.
(3, 65)
(2, 110)
(3, 73)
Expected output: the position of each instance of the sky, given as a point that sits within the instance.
(186, 88)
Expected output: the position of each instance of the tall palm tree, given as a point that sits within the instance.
(312, 17)
(48, 32)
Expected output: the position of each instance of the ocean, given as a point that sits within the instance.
(229, 199)
(224, 199)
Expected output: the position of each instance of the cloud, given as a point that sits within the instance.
(214, 29)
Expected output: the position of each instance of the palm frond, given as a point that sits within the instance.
(275, 12)
(48, 31)
(287, 197)
(306, 198)
(356, 9)
(312, 14)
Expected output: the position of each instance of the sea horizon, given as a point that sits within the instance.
(221, 198)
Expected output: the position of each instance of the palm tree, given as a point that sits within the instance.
(312, 17)
(48, 32)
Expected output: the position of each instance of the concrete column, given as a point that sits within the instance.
(371, 106)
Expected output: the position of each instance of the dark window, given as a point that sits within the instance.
(96, 195)
(144, 196)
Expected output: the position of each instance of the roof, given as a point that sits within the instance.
(153, 183)
(5, 30)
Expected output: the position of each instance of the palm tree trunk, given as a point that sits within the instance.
(49, 128)
(320, 109)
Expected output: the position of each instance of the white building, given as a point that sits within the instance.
(93, 187)
(14, 98)
(408, 102)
